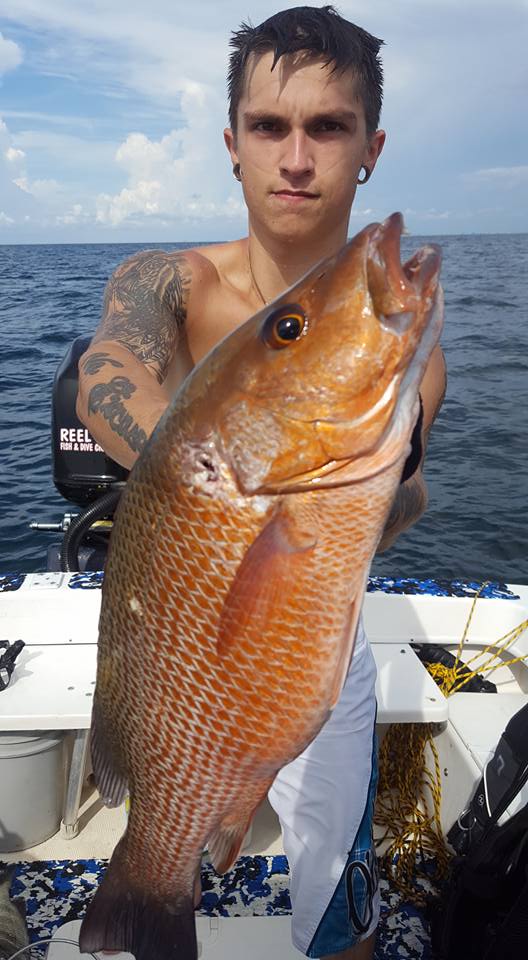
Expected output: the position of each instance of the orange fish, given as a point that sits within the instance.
(237, 571)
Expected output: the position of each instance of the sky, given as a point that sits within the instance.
(112, 114)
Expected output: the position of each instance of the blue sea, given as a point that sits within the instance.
(476, 525)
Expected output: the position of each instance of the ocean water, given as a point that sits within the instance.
(476, 525)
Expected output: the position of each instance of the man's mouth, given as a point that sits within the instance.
(295, 195)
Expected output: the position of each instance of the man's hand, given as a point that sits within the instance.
(121, 395)
(411, 498)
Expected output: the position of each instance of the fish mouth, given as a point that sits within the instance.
(408, 302)
(407, 299)
(402, 297)
(397, 290)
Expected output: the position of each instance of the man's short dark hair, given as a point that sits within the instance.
(319, 31)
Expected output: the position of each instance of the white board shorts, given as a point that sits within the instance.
(325, 801)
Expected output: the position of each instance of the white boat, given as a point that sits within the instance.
(47, 707)
(56, 616)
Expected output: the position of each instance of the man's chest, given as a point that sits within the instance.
(218, 314)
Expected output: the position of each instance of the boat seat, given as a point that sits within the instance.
(481, 729)
(54, 679)
(56, 615)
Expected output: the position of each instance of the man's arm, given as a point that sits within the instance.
(411, 498)
(121, 395)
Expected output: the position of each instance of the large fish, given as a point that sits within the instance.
(237, 571)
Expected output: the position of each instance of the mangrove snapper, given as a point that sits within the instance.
(237, 569)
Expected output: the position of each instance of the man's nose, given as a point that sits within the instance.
(297, 159)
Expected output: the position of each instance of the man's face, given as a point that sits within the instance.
(301, 142)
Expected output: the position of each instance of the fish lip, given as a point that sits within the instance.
(399, 292)
(423, 268)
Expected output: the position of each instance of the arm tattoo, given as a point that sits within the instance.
(107, 399)
(145, 306)
(95, 361)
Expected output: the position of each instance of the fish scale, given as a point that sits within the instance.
(236, 573)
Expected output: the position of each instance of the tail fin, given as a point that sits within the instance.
(122, 917)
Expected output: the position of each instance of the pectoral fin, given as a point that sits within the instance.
(274, 562)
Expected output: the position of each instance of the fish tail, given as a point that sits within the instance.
(124, 917)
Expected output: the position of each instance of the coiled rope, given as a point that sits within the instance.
(410, 792)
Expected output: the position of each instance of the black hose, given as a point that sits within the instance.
(69, 553)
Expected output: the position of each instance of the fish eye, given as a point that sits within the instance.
(283, 325)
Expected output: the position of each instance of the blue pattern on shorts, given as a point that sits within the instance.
(350, 913)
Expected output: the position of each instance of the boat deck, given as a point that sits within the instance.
(58, 877)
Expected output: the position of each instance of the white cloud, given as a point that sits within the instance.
(10, 54)
(126, 45)
(430, 214)
(76, 214)
(64, 120)
(72, 152)
(500, 176)
(433, 214)
(5, 138)
(176, 176)
(153, 81)
(41, 189)
(143, 198)
(24, 197)
(13, 155)
(12, 168)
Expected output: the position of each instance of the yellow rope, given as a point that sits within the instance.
(408, 804)
(409, 793)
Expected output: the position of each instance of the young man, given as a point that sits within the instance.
(305, 96)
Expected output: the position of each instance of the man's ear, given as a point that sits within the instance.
(230, 142)
(373, 149)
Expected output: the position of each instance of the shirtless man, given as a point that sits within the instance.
(303, 133)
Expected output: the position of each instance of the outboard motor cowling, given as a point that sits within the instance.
(82, 472)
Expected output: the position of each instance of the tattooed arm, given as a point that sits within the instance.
(121, 394)
(410, 501)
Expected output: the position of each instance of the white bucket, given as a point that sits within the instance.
(32, 780)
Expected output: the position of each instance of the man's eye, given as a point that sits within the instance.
(266, 126)
(330, 126)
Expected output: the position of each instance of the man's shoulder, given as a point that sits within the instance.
(218, 269)
(200, 268)
(223, 260)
